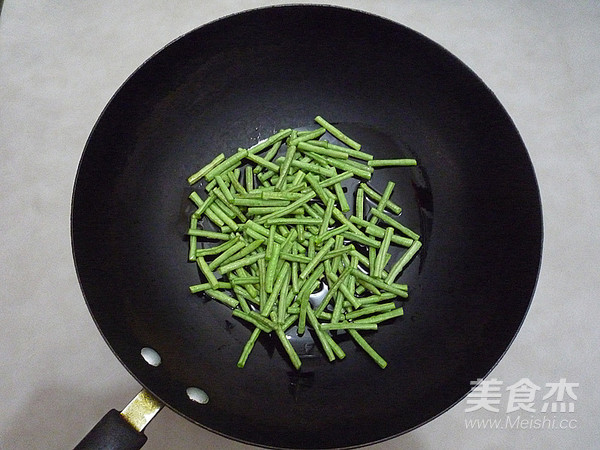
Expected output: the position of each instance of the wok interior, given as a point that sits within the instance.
(473, 198)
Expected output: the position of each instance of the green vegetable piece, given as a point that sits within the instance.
(249, 178)
(325, 343)
(306, 147)
(294, 358)
(216, 249)
(374, 195)
(344, 207)
(267, 307)
(331, 233)
(377, 231)
(391, 287)
(323, 194)
(208, 234)
(337, 282)
(192, 179)
(227, 164)
(367, 348)
(337, 179)
(365, 311)
(241, 281)
(237, 201)
(339, 215)
(359, 203)
(206, 286)
(351, 152)
(359, 170)
(222, 297)
(304, 295)
(270, 155)
(272, 267)
(246, 250)
(361, 239)
(392, 162)
(293, 221)
(248, 317)
(394, 223)
(364, 301)
(210, 277)
(337, 133)
(397, 312)
(241, 263)
(403, 261)
(289, 208)
(348, 326)
(225, 256)
(235, 183)
(263, 162)
(270, 141)
(303, 136)
(380, 260)
(248, 348)
(387, 193)
(326, 217)
(224, 188)
(283, 302)
(317, 259)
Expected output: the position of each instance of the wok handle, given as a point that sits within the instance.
(123, 430)
(112, 432)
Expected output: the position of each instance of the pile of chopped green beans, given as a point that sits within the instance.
(287, 230)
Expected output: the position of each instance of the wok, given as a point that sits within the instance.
(228, 84)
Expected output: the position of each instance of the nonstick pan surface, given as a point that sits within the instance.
(473, 198)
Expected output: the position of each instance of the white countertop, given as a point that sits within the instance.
(60, 63)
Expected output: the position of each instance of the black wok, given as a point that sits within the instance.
(473, 197)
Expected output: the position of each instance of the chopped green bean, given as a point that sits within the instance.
(227, 164)
(272, 267)
(396, 312)
(374, 195)
(394, 223)
(205, 286)
(248, 317)
(294, 358)
(317, 259)
(209, 234)
(367, 348)
(392, 162)
(192, 179)
(304, 294)
(270, 155)
(387, 193)
(359, 203)
(337, 133)
(305, 146)
(210, 277)
(391, 287)
(222, 297)
(348, 326)
(224, 257)
(242, 251)
(404, 259)
(270, 141)
(351, 152)
(303, 136)
(241, 263)
(248, 347)
(380, 260)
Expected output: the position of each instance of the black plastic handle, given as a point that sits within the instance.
(112, 432)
